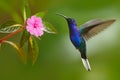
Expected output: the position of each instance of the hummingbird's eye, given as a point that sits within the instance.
(70, 20)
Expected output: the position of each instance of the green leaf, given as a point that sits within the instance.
(33, 49)
(40, 14)
(24, 38)
(26, 11)
(49, 28)
(9, 27)
(20, 51)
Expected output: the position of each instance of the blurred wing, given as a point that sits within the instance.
(93, 27)
(91, 23)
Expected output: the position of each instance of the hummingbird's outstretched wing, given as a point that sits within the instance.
(93, 27)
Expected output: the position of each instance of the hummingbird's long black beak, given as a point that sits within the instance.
(62, 15)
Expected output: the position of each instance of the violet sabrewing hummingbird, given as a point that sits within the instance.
(79, 36)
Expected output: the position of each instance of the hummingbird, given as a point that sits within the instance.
(79, 36)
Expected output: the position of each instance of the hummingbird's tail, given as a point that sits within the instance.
(84, 59)
(86, 64)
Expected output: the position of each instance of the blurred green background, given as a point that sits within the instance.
(58, 59)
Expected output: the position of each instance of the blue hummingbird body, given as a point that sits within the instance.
(77, 39)
(79, 36)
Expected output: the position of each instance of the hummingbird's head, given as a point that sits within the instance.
(69, 20)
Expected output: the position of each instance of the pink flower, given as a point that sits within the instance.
(35, 26)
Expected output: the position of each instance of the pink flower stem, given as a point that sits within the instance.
(11, 34)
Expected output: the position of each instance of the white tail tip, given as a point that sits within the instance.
(86, 64)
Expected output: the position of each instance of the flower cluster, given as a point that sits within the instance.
(34, 26)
